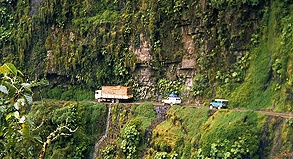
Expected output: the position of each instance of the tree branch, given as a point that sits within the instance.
(55, 135)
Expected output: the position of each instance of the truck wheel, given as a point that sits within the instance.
(211, 107)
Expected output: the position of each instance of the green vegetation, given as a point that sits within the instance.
(179, 132)
(145, 113)
(92, 44)
(87, 119)
(232, 128)
(130, 141)
(52, 129)
(166, 87)
(16, 97)
(44, 129)
(72, 93)
(241, 50)
(133, 122)
(89, 42)
(266, 83)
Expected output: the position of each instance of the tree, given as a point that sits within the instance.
(16, 129)
(15, 99)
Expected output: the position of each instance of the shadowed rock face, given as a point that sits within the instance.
(161, 116)
(35, 5)
(161, 112)
(171, 48)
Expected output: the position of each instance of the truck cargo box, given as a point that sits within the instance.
(114, 93)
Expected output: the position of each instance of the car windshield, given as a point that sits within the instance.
(173, 95)
(220, 101)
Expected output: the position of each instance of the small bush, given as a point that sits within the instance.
(146, 110)
(67, 95)
(54, 93)
(81, 95)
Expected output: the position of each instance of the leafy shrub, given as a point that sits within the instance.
(199, 85)
(166, 87)
(67, 95)
(54, 93)
(86, 117)
(145, 110)
(130, 140)
(15, 125)
(228, 149)
(77, 94)
(161, 155)
(109, 152)
(81, 95)
(66, 114)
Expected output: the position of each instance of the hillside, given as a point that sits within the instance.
(201, 49)
(199, 133)
(240, 50)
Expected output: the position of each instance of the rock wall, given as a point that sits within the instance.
(210, 38)
(127, 42)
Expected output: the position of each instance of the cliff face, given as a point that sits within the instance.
(207, 46)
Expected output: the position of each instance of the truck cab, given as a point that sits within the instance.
(98, 95)
(219, 103)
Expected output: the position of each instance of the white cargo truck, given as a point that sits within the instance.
(113, 93)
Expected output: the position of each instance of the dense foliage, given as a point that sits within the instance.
(93, 43)
(46, 129)
(197, 133)
(267, 83)
(80, 46)
(86, 119)
(16, 98)
(133, 121)
(200, 49)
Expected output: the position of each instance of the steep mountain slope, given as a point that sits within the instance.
(196, 133)
(268, 81)
(240, 50)
(200, 49)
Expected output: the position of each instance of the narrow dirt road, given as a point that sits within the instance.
(269, 113)
(283, 115)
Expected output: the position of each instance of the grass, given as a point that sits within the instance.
(145, 113)
(179, 132)
(258, 90)
(188, 129)
(230, 125)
